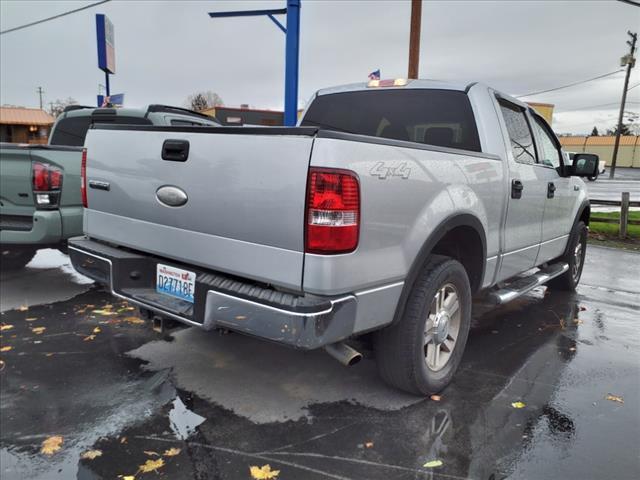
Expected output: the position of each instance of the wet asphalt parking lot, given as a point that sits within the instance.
(80, 372)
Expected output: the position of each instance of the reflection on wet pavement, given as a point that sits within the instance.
(211, 406)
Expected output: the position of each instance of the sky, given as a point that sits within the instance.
(168, 50)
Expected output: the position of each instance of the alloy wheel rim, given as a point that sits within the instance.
(577, 261)
(442, 327)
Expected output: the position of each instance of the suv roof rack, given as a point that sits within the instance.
(71, 108)
(170, 109)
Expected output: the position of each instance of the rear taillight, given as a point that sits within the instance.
(83, 178)
(333, 211)
(47, 182)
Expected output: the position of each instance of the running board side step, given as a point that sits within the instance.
(522, 285)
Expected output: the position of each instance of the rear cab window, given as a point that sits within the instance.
(443, 118)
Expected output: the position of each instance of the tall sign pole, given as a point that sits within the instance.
(414, 38)
(630, 62)
(292, 51)
(291, 64)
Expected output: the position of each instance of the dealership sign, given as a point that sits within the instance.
(106, 45)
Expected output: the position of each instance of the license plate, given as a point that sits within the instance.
(175, 282)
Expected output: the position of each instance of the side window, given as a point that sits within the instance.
(548, 153)
(519, 133)
(176, 122)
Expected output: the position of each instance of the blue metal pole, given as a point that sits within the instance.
(106, 81)
(291, 63)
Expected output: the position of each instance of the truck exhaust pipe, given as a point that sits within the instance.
(343, 353)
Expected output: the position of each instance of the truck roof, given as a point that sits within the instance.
(418, 83)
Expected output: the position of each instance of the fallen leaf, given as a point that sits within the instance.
(172, 452)
(433, 464)
(368, 444)
(572, 349)
(577, 321)
(134, 320)
(436, 398)
(127, 477)
(51, 445)
(518, 405)
(151, 453)
(48, 354)
(89, 338)
(31, 319)
(105, 312)
(91, 454)
(614, 398)
(152, 465)
(97, 330)
(38, 330)
(5, 349)
(263, 473)
(123, 440)
(22, 308)
(2, 364)
(4, 327)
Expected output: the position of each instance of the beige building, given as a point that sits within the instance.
(628, 152)
(24, 125)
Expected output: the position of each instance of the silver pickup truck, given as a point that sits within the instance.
(383, 212)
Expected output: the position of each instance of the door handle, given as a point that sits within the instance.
(516, 189)
(551, 190)
(175, 150)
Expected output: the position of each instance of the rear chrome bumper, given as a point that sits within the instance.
(305, 321)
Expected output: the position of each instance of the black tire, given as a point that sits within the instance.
(400, 348)
(569, 280)
(593, 178)
(14, 259)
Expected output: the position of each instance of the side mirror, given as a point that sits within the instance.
(585, 165)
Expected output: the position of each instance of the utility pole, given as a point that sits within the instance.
(414, 38)
(630, 62)
(40, 92)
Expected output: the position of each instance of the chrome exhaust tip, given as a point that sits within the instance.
(343, 353)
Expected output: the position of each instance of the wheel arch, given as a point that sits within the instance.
(446, 239)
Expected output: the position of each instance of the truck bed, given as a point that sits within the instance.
(246, 196)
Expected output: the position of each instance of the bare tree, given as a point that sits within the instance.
(202, 100)
(57, 107)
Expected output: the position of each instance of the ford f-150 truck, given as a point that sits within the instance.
(40, 203)
(386, 209)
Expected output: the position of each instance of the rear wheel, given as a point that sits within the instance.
(421, 352)
(574, 257)
(15, 258)
(593, 178)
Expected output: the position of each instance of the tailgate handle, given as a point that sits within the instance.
(175, 150)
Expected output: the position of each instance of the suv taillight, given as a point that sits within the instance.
(83, 178)
(333, 211)
(47, 182)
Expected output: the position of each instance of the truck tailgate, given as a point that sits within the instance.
(245, 190)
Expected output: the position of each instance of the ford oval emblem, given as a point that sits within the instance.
(171, 196)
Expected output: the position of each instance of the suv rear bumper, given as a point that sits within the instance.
(45, 227)
(221, 301)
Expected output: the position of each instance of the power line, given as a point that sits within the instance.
(54, 17)
(570, 84)
(630, 2)
(633, 86)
